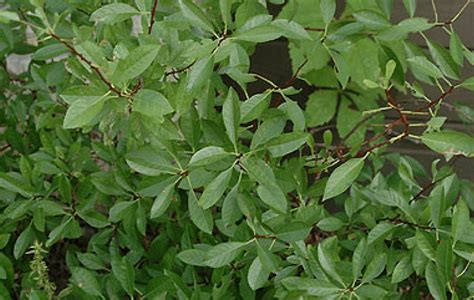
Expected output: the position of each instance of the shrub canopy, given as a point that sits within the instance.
(137, 162)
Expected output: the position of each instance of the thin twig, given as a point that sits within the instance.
(152, 18)
(439, 99)
(177, 71)
(354, 128)
(89, 63)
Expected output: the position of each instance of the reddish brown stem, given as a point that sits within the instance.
(152, 18)
(89, 63)
(435, 102)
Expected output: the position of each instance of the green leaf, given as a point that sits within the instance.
(162, 202)
(268, 260)
(136, 62)
(321, 107)
(359, 258)
(7, 16)
(119, 210)
(330, 224)
(208, 155)
(460, 221)
(194, 257)
(425, 245)
(379, 232)
(450, 143)
(49, 52)
(268, 130)
(443, 59)
(342, 177)
(402, 270)
(468, 84)
(91, 261)
(293, 232)
(124, 271)
(113, 13)
(151, 103)
(24, 240)
(328, 10)
(375, 268)
(372, 20)
(15, 183)
(444, 258)
(253, 107)
(84, 111)
(328, 265)
(436, 286)
(286, 143)
(214, 190)
(456, 48)
(312, 287)
(259, 34)
(291, 30)
(200, 73)
(223, 254)
(273, 198)
(257, 275)
(201, 218)
(86, 280)
(94, 219)
(231, 116)
(195, 15)
(410, 6)
(225, 9)
(425, 66)
(151, 162)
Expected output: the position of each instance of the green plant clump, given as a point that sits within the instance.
(140, 160)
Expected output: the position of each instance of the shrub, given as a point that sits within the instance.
(137, 162)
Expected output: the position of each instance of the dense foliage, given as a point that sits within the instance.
(137, 163)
